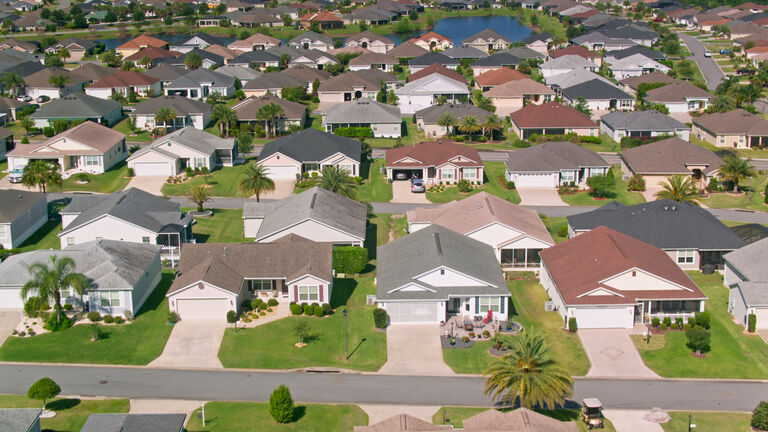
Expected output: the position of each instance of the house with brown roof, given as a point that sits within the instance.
(222, 51)
(551, 118)
(407, 50)
(353, 85)
(138, 43)
(125, 83)
(605, 279)
(437, 68)
(705, 21)
(39, 84)
(427, 118)
(733, 129)
(490, 79)
(294, 113)
(371, 41)
(439, 161)
(577, 50)
(257, 41)
(432, 41)
(519, 420)
(631, 84)
(325, 19)
(679, 97)
(487, 40)
(513, 95)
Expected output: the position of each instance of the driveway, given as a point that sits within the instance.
(401, 193)
(612, 354)
(283, 189)
(192, 344)
(539, 196)
(650, 192)
(149, 184)
(631, 421)
(5, 183)
(9, 319)
(414, 350)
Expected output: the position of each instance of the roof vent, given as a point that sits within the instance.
(674, 208)
(666, 208)
(20, 196)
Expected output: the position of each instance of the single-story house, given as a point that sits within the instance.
(440, 161)
(215, 278)
(136, 44)
(294, 113)
(551, 118)
(383, 120)
(566, 64)
(271, 83)
(597, 41)
(124, 82)
(425, 92)
(437, 68)
(515, 233)
(78, 106)
(424, 60)
(208, 60)
(6, 142)
(631, 84)
(635, 65)
(311, 40)
(373, 61)
(406, 51)
(371, 41)
(680, 96)
(641, 124)
(77, 47)
(606, 279)
(432, 41)
(9, 107)
(139, 59)
(353, 85)
(199, 83)
(21, 419)
(313, 59)
(435, 273)
(464, 53)
(658, 160)
(21, 214)
(487, 40)
(309, 150)
(746, 277)
(538, 42)
(127, 422)
(188, 113)
(599, 96)
(615, 56)
(259, 59)
(493, 62)
(166, 73)
(519, 420)
(496, 77)
(244, 74)
(733, 129)
(553, 164)
(255, 42)
(39, 84)
(187, 147)
(316, 214)
(201, 41)
(513, 95)
(577, 50)
(426, 119)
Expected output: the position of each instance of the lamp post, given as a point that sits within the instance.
(344, 312)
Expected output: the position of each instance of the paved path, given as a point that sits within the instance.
(414, 350)
(631, 421)
(539, 196)
(9, 319)
(163, 406)
(377, 413)
(149, 184)
(712, 74)
(192, 344)
(612, 354)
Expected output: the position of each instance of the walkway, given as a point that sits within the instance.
(612, 354)
(192, 344)
(9, 319)
(414, 350)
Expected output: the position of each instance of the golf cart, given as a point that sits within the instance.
(592, 413)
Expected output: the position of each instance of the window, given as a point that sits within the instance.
(70, 241)
(625, 103)
(446, 174)
(260, 285)
(685, 256)
(109, 298)
(489, 303)
(308, 293)
(568, 176)
(199, 162)
(145, 240)
(470, 173)
(91, 160)
(99, 238)
(346, 167)
(2, 231)
(311, 166)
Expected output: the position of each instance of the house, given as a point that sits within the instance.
(513, 95)
(488, 80)
(551, 118)
(614, 56)
(464, 53)
(200, 41)
(371, 41)
(10, 106)
(432, 41)
(127, 422)
(199, 83)
(353, 85)
(599, 96)
(78, 106)
(657, 160)
(311, 40)
(208, 60)
(130, 215)
(215, 278)
(406, 51)
(326, 20)
(636, 31)
(6, 142)
(225, 53)
(705, 21)
(515, 233)
(312, 59)
(171, 154)
(383, 120)
(746, 278)
(88, 147)
(519, 420)
(538, 42)
(436, 68)
(93, 72)
(370, 15)
(553, 164)
(440, 161)
(21, 214)
(271, 83)
(39, 83)
(146, 57)
(402, 423)
(294, 114)
(244, 74)
(425, 60)
(428, 91)
(124, 83)
(493, 62)
(487, 40)
(259, 59)
(308, 151)
(566, 64)
(641, 124)
(680, 96)
(691, 236)
(77, 47)
(316, 214)
(20, 419)
(632, 83)
(18, 45)
(188, 113)
(166, 73)
(142, 41)
(427, 118)
(572, 78)
(606, 279)
(598, 41)
(309, 75)
(576, 50)
(434, 273)
(733, 129)
(373, 61)
(634, 65)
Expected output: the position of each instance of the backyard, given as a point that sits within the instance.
(44, 238)
(71, 413)
(557, 227)
(494, 176)
(708, 421)
(375, 187)
(455, 416)
(225, 226)
(583, 198)
(223, 182)
(142, 136)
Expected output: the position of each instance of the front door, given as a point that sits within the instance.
(454, 306)
(638, 313)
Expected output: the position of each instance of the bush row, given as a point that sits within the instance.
(313, 309)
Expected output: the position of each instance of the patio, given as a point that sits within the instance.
(459, 326)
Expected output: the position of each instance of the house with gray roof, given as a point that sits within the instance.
(641, 124)
(598, 41)
(493, 62)
(464, 53)
(20, 419)
(171, 154)
(316, 214)
(134, 422)
(383, 120)
(188, 113)
(78, 106)
(311, 40)
(122, 275)
(425, 60)
(308, 151)
(166, 73)
(746, 277)
(209, 59)
(21, 214)
(244, 74)
(294, 114)
(271, 83)
(426, 119)
(199, 83)
(553, 164)
(436, 273)
(599, 96)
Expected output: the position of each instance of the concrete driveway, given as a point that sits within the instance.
(612, 354)
(149, 184)
(193, 344)
(414, 350)
(9, 319)
(401, 193)
(283, 189)
(631, 421)
(5, 183)
(539, 196)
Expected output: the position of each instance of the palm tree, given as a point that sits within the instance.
(47, 283)
(270, 113)
(224, 116)
(721, 104)
(679, 188)
(199, 194)
(492, 123)
(63, 54)
(735, 169)
(165, 114)
(256, 180)
(58, 81)
(529, 373)
(750, 93)
(447, 120)
(337, 181)
(26, 123)
(469, 125)
(12, 81)
(145, 61)
(40, 174)
(193, 61)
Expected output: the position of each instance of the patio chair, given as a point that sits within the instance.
(468, 325)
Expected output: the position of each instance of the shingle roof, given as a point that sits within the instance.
(372, 58)
(192, 138)
(433, 153)
(642, 121)
(637, 49)
(134, 423)
(498, 59)
(152, 53)
(100, 138)
(568, 62)
(312, 145)
(462, 52)
(438, 69)
(523, 53)
(14, 203)
(433, 57)
(143, 41)
(307, 74)
(370, 36)
(402, 423)
(242, 73)
(76, 105)
(41, 78)
(18, 419)
(92, 71)
(500, 76)
(521, 419)
(165, 72)
(351, 80)
(362, 111)
(677, 91)
(550, 115)
(246, 110)
(552, 157)
(518, 88)
(577, 50)
(273, 80)
(181, 106)
(488, 35)
(199, 76)
(736, 121)
(222, 51)
(312, 36)
(656, 76)
(255, 39)
(258, 56)
(595, 90)
(670, 156)
(120, 78)
(407, 50)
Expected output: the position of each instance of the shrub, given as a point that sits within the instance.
(128, 315)
(354, 132)
(51, 324)
(96, 332)
(636, 183)
(25, 140)
(308, 309)
(486, 334)
(590, 139)
(464, 186)
(751, 323)
(760, 416)
(655, 321)
(315, 304)
(663, 326)
(231, 316)
(93, 316)
(465, 339)
(318, 311)
(34, 305)
(509, 185)
(118, 319)
(698, 339)
(262, 306)
(48, 131)
(44, 390)
(471, 334)
(572, 325)
(295, 309)
(702, 319)
(679, 322)
(765, 192)
(349, 259)
(245, 305)
(691, 321)
(686, 327)
(281, 405)
(67, 307)
(173, 317)
(667, 321)
(272, 302)
(601, 185)
(380, 318)
(326, 309)
(189, 171)
(255, 303)
(109, 319)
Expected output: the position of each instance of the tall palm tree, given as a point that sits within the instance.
(337, 181)
(529, 373)
(165, 114)
(447, 120)
(750, 93)
(63, 54)
(193, 61)
(26, 123)
(270, 113)
(12, 81)
(40, 174)
(491, 123)
(469, 125)
(58, 81)
(224, 116)
(199, 194)
(679, 188)
(48, 282)
(721, 104)
(735, 169)
(256, 180)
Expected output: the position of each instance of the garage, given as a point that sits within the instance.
(535, 180)
(10, 298)
(282, 171)
(414, 312)
(762, 317)
(604, 317)
(213, 309)
(152, 169)
(407, 174)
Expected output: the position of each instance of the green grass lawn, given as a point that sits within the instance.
(493, 172)
(555, 226)
(44, 238)
(271, 346)
(111, 181)
(620, 189)
(528, 309)
(142, 136)
(411, 135)
(375, 187)
(226, 226)
(245, 416)
(3, 168)
(708, 421)
(456, 415)
(224, 183)
(606, 145)
(137, 343)
(733, 354)
(70, 413)
(751, 199)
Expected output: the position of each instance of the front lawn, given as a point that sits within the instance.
(225, 226)
(751, 199)
(71, 414)
(375, 187)
(619, 189)
(142, 136)
(708, 421)
(137, 343)
(3, 168)
(223, 181)
(456, 415)
(254, 416)
(111, 181)
(271, 346)
(527, 308)
(734, 354)
(494, 176)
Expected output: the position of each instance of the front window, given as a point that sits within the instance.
(685, 256)
(346, 167)
(308, 293)
(260, 285)
(470, 173)
(91, 160)
(568, 176)
(446, 174)
(625, 103)
(145, 240)
(2, 231)
(310, 166)
(199, 162)
(489, 303)
(109, 298)
(70, 241)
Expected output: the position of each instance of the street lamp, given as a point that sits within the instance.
(344, 312)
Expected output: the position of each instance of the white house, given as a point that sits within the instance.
(636, 65)
(21, 214)
(425, 92)
(554, 164)
(383, 120)
(199, 83)
(308, 151)
(746, 278)
(188, 113)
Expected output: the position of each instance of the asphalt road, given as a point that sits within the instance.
(712, 73)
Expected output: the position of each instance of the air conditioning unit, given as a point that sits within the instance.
(549, 306)
(370, 299)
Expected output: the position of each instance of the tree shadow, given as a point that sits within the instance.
(63, 404)
(299, 412)
(342, 291)
(314, 337)
(201, 238)
(371, 239)
(365, 167)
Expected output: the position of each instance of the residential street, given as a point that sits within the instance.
(712, 74)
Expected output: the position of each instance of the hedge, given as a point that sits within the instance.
(572, 325)
(751, 323)
(354, 132)
(349, 259)
(380, 318)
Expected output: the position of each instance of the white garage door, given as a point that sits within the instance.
(762, 317)
(203, 309)
(282, 172)
(10, 299)
(535, 180)
(597, 317)
(152, 169)
(413, 312)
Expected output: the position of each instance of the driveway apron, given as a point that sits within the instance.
(539, 196)
(414, 350)
(9, 319)
(193, 344)
(149, 184)
(401, 193)
(612, 354)
(283, 189)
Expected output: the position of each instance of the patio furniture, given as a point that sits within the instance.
(468, 325)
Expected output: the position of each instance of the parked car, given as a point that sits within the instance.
(24, 98)
(15, 176)
(401, 176)
(417, 185)
(707, 53)
(43, 98)
(723, 51)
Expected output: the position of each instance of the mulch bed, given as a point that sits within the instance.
(702, 355)
(497, 353)
(460, 344)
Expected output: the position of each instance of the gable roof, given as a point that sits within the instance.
(433, 84)
(642, 121)
(76, 105)
(370, 58)
(369, 79)
(222, 51)
(134, 423)
(92, 71)
(749, 261)
(15, 203)
(246, 110)
(568, 62)
(100, 138)
(152, 53)
(19, 419)
(41, 77)
(254, 39)
(653, 77)
(432, 57)
(407, 49)
(258, 56)
(273, 80)
(595, 90)
(362, 111)
(637, 49)
(244, 74)
(518, 88)
(464, 52)
(497, 59)
(736, 121)
(670, 156)
(312, 145)
(488, 35)
(192, 138)
(202, 75)
(143, 41)
(437, 68)
(166, 72)
(426, 37)
(677, 91)
(553, 156)
(402, 423)
(431, 114)
(367, 34)
(499, 76)
(121, 78)
(550, 115)
(312, 36)
(577, 50)
(521, 419)
(181, 105)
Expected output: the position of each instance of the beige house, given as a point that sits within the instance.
(308, 151)
(487, 40)
(294, 113)
(513, 95)
(427, 118)
(371, 41)
(733, 129)
(551, 118)
(432, 41)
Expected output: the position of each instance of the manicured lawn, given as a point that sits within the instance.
(70, 413)
(254, 416)
(456, 415)
(375, 187)
(733, 354)
(137, 343)
(606, 145)
(271, 346)
(223, 181)
(751, 199)
(745, 153)
(111, 181)
(43, 238)
(142, 136)
(411, 135)
(620, 189)
(528, 309)
(3, 168)
(708, 421)
(494, 171)
(226, 226)
(556, 226)
(382, 224)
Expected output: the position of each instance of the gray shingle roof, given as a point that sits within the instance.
(258, 56)
(192, 138)
(134, 423)
(462, 52)
(498, 59)
(750, 261)
(181, 106)
(312, 145)
(273, 80)
(430, 58)
(637, 49)
(523, 53)
(362, 111)
(202, 75)
(595, 90)
(165, 72)
(14, 203)
(18, 419)
(642, 121)
(665, 224)
(431, 114)
(76, 105)
(312, 36)
(242, 73)
(553, 157)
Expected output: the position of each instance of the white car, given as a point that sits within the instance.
(24, 98)
(707, 53)
(15, 176)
